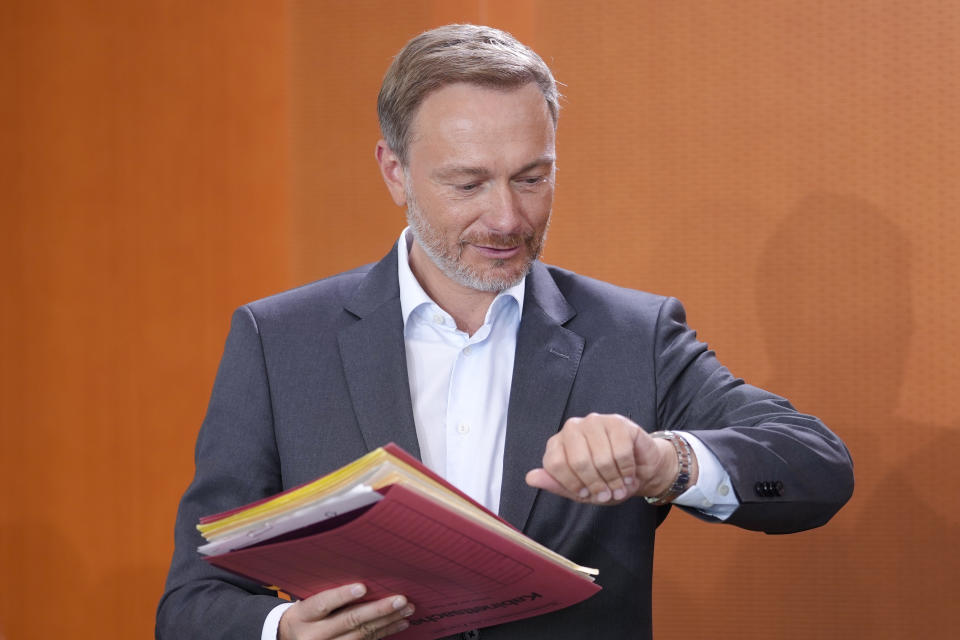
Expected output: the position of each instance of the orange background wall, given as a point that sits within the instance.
(787, 169)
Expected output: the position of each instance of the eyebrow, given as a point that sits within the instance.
(539, 162)
(456, 171)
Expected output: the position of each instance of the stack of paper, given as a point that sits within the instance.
(389, 522)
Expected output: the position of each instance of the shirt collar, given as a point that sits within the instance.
(412, 294)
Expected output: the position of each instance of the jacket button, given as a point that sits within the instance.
(768, 489)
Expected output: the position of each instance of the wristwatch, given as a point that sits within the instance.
(685, 461)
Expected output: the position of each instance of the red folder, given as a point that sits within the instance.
(459, 574)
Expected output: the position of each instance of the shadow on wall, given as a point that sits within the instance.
(835, 307)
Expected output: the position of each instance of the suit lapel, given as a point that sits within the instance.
(545, 365)
(374, 360)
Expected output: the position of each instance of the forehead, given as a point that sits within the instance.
(469, 120)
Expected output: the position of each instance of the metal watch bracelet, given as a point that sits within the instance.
(685, 462)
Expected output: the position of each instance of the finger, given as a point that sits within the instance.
(595, 460)
(320, 605)
(370, 619)
(556, 460)
(378, 628)
(586, 461)
(607, 439)
(387, 630)
(540, 479)
(622, 444)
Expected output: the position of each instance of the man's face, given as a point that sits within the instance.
(479, 184)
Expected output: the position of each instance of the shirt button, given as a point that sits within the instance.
(463, 428)
(467, 350)
(706, 503)
(438, 318)
(723, 490)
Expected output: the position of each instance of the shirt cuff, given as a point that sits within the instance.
(713, 494)
(272, 624)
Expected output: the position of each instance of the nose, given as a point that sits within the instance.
(505, 211)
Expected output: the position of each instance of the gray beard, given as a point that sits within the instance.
(432, 243)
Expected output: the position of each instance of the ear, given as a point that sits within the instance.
(392, 171)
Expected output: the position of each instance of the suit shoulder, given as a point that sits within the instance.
(325, 294)
(592, 297)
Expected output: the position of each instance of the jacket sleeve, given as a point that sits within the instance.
(790, 472)
(236, 463)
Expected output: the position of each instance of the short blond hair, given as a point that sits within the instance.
(455, 53)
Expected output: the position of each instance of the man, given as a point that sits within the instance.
(549, 397)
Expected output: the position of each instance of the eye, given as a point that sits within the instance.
(530, 181)
(468, 187)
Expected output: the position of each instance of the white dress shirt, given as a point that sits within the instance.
(460, 385)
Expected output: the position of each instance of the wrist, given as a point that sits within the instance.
(283, 625)
(679, 467)
(668, 468)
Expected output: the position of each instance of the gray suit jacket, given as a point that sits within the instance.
(315, 377)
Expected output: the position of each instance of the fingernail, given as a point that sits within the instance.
(358, 590)
(408, 611)
(403, 624)
(399, 602)
(628, 480)
(603, 496)
(584, 493)
(619, 494)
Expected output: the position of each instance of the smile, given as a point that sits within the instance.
(497, 253)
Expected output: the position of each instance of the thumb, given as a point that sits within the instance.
(540, 479)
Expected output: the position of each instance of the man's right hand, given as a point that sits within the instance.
(329, 615)
(606, 459)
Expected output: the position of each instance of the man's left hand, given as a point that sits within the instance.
(605, 459)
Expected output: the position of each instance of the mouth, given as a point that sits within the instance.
(497, 253)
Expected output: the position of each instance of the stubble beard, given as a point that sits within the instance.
(494, 278)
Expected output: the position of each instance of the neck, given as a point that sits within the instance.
(467, 306)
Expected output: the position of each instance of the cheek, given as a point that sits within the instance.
(458, 216)
(439, 211)
(538, 208)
